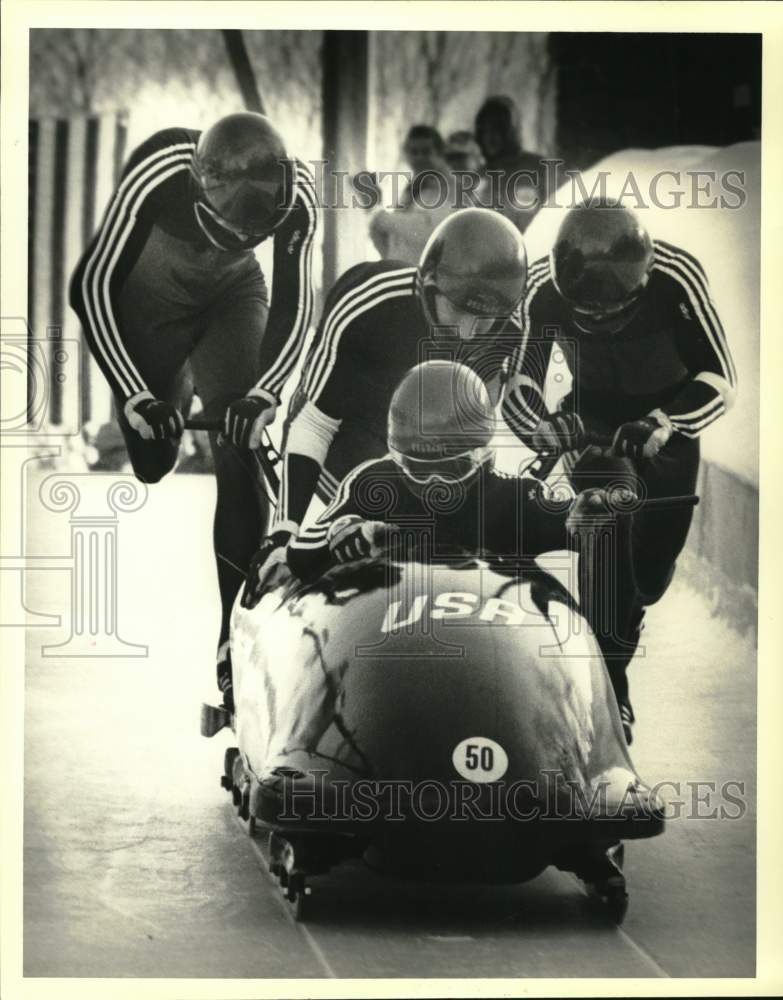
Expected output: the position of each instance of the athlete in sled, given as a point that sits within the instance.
(443, 496)
(376, 670)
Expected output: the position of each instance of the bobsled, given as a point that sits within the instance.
(442, 722)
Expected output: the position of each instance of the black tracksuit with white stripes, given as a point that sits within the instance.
(372, 332)
(672, 357)
(165, 310)
(491, 514)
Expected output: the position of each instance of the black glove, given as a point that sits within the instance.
(590, 509)
(154, 419)
(639, 439)
(246, 418)
(270, 552)
(559, 433)
(351, 537)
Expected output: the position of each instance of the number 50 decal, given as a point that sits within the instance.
(479, 759)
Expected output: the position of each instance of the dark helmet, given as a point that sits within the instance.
(477, 259)
(244, 180)
(441, 422)
(601, 262)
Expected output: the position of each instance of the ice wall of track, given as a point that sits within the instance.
(721, 227)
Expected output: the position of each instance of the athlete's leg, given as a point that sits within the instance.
(225, 366)
(659, 536)
(608, 587)
(152, 460)
(645, 565)
(159, 337)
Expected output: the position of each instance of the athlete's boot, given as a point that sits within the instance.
(617, 667)
(224, 677)
(627, 718)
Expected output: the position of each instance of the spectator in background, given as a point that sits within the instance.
(463, 156)
(423, 150)
(402, 232)
(463, 153)
(516, 179)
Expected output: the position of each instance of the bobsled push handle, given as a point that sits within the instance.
(267, 455)
(545, 461)
(202, 424)
(591, 439)
(669, 503)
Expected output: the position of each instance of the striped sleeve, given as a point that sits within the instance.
(308, 438)
(344, 502)
(703, 346)
(291, 311)
(523, 398)
(308, 554)
(145, 172)
(327, 363)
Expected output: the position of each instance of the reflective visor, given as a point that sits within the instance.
(249, 201)
(480, 297)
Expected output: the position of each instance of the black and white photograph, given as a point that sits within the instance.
(386, 393)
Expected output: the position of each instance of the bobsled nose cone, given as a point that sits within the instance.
(623, 797)
(650, 806)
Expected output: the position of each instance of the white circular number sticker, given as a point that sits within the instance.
(480, 759)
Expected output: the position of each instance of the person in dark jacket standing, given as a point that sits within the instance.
(517, 179)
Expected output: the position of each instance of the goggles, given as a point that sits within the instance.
(448, 468)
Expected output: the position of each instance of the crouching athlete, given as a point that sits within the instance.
(171, 298)
(382, 318)
(438, 484)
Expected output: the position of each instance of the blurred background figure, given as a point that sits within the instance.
(517, 179)
(463, 156)
(424, 150)
(427, 198)
(463, 152)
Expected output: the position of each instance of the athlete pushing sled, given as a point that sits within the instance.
(171, 298)
(637, 325)
(380, 319)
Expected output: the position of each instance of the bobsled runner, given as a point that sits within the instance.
(443, 722)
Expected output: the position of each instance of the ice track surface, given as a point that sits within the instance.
(135, 864)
